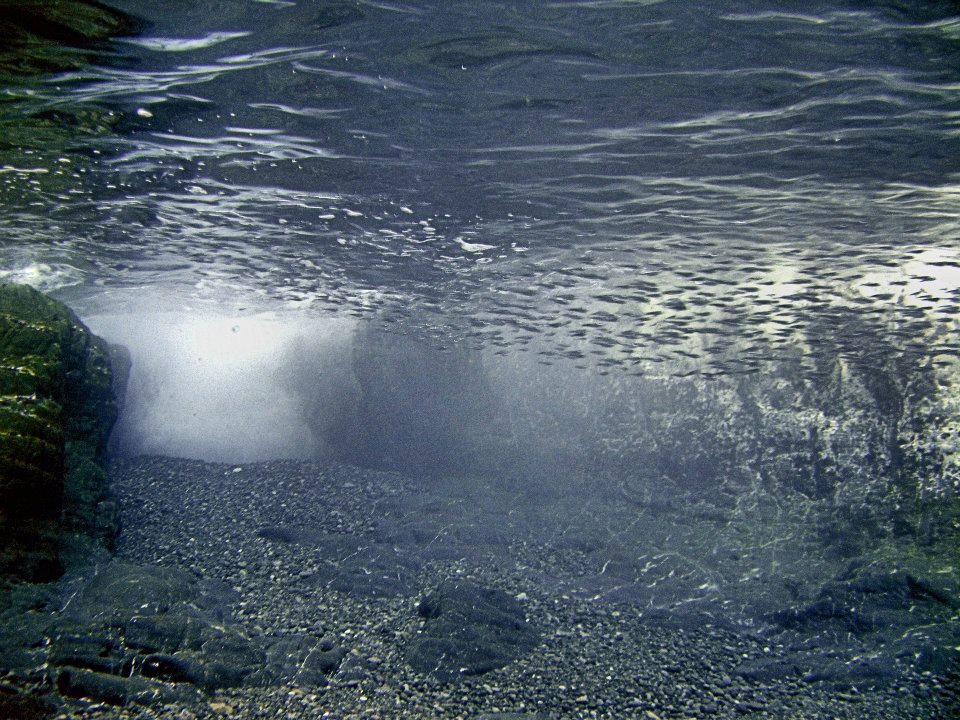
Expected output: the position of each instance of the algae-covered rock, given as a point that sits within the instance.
(56, 411)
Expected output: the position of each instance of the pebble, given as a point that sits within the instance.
(597, 659)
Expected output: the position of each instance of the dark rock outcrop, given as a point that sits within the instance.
(57, 408)
(469, 630)
(409, 405)
(870, 602)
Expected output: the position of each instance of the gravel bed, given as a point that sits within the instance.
(264, 530)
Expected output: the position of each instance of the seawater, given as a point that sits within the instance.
(564, 202)
(697, 259)
(649, 189)
(554, 172)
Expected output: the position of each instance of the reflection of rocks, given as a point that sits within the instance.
(56, 411)
(153, 635)
(469, 630)
(42, 37)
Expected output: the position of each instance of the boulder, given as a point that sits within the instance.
(57, 408)
(469, 630)
(870, 602)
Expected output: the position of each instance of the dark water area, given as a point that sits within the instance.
(664, 292)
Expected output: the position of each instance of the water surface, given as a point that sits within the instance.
(635, 181)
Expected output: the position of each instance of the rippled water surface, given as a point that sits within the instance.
(636, 181)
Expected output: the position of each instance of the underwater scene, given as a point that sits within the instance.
(481, 360)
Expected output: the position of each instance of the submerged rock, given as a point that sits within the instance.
(114, 689)
(151, 635)
(26, 707)
(890, 621)
(469, 630)
(375, 570)
(870, 602)
(57, 408)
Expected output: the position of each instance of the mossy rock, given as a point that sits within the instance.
(56, 411)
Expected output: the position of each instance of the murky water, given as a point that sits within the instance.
(635, 181)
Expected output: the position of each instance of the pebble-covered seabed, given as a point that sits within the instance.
(596, 659)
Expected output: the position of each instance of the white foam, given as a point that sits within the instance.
(45, 277)
(165, 44)
(220, 388)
